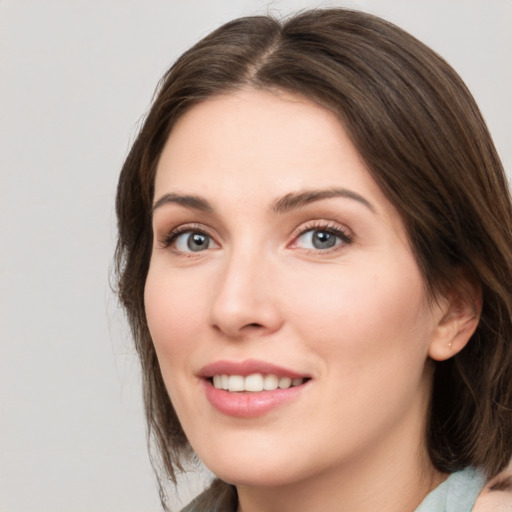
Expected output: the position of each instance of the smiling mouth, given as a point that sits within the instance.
(254, 383)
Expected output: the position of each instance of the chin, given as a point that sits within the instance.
(256, 474)
(252, 465)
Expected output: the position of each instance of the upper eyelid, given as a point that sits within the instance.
(322, 224)
(182, 228)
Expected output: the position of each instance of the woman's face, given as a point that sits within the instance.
(278, 262)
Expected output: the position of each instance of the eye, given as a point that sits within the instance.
(321, 238)
(188, 241)
(191, 241)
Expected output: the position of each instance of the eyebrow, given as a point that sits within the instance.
(193, 202)
(296, 200)
(284, 204)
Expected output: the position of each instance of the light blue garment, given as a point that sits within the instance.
(458, 493)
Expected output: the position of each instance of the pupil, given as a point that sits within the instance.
(197, 242)
(323, 240)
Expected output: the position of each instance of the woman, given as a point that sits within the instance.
(315, 258)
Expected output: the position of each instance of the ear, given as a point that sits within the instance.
(459, 314)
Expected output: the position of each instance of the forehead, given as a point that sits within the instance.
(260, 144)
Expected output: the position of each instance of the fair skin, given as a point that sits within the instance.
(272, 243)
(496, 500)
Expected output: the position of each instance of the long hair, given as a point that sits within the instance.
(422, 138)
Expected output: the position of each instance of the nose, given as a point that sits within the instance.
(244, 303)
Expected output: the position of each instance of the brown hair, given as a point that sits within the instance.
(425, 143)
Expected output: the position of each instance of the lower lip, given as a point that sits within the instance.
(249, 404)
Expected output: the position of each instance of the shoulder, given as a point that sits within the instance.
(497, 494)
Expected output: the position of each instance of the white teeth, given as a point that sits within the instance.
(255, 383)
(270, 382)
(285, 382)
(236, 383)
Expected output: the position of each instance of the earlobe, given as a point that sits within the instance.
(459, 317)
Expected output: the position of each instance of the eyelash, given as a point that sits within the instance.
(171, 237)
(327, 227)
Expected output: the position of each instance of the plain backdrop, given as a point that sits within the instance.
(76, 76)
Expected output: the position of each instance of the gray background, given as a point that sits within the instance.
(75, 78)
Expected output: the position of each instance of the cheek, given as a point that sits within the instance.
(361, 312)
(174, 314)
(172, 311)
(369, 331)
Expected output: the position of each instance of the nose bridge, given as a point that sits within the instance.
(242, 301)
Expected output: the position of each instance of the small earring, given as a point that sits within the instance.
(450, 345)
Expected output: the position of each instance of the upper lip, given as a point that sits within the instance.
(245, 368)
